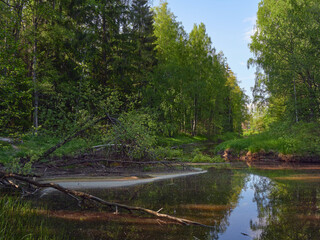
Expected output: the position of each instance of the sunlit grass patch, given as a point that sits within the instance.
(179, 140)
(33, 146)
(300, 139)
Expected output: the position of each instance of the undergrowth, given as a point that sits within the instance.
(178, 140)
(300, 138)
(197, 156)
(34, 146)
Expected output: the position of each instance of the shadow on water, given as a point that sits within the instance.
(239, 204)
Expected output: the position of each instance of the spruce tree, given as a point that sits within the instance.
(143, 37)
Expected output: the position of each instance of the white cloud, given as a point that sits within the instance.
(247, 35)
(250, 30)
(251, 20)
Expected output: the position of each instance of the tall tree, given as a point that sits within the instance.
(15, 86)
(144, 40)
(286, 48)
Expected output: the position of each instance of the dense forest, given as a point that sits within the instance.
(95, 90)
(64, 62)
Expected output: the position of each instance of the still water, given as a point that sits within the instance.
(238, 204)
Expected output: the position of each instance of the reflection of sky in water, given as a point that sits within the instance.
(244, 213)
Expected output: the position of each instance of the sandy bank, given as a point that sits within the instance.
(90, 183)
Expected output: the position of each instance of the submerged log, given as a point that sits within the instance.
(6, 180)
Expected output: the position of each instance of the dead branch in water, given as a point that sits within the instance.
(6, 180)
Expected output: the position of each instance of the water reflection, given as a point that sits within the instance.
(237, 204)
(290, 209)
(245, 214)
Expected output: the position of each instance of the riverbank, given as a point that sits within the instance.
(82, 158)
(271, 156)
(298, 142)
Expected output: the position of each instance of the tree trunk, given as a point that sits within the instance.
(195, 117)
(34, 76)
(295, 99)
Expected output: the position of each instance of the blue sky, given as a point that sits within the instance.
(229, 23)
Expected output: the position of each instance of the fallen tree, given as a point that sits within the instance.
(16, 181)
(76, 134)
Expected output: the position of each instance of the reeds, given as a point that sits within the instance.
(18, 220)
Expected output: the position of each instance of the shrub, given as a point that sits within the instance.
(134, 136)
(199, 157)
(161, 153)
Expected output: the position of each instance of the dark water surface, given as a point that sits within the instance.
(238, 204)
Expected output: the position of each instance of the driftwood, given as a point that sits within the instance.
(74, 135)
(6, 180)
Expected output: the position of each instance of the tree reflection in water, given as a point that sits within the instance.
(237, 203)
(287, 209)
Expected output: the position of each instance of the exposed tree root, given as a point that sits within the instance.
(6, 180)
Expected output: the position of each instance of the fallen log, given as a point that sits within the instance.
(6, 180)
(74, 135)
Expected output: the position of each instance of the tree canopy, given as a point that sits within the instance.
(286, 48)
(63, 62)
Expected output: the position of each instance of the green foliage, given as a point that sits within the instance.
(166, 153)
(179, 140)
(14, 166)
(33, 146)
(285, 138)
(192, 87)
(286, 50)
(134, 136)
(228, 136)
(197, 156)
(66, 64)
(74, 58)
(15, 85)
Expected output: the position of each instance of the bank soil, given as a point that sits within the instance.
(262, 156)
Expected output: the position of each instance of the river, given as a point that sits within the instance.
(237, 203)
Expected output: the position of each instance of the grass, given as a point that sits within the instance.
(179, 140)
(191, 153)
(34, 146)
(300, 139)
(197, 156)
(18, 220)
